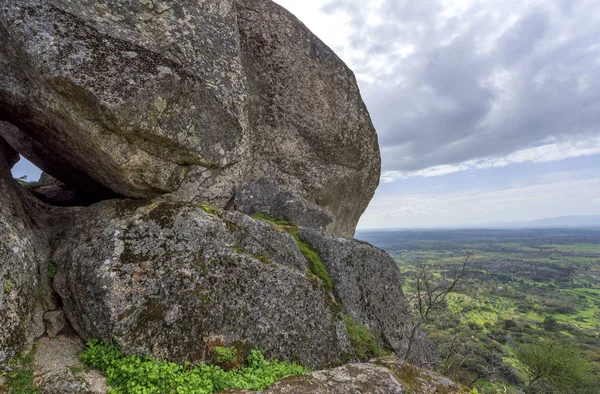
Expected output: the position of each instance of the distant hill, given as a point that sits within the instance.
(562, 221)
(582, 221)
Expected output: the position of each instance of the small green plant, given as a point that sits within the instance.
(317, 266)
(362, 340)
(268, 218)
(144, 375)
(225, 355)
(52, 269)
(21, 380)
(7, 286)
(208, 209)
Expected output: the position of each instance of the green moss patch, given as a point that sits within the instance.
(208, 209)
(137, 375)
(362, 340)
(317, 266)
(268, 218)
(225, 355)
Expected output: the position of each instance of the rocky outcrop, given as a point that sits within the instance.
(368, 285)
(146, 111)
(199, 100)
(386, 375)
(169, 279)
(21, 256)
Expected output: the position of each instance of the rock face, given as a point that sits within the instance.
(21, 255)
(204, 101)
(146, 111)
(386, 375)
(58, 369)
(368, 285)
(170, 278)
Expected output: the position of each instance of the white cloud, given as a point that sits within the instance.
(548, 152)
(334, 31)
(575, 197)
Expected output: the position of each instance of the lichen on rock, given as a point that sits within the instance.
(167, 126)
(234, 103)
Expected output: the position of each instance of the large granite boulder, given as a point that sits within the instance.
(170, 279)
(369, 286)
(22, 253)
(386, 375)
(199, 100)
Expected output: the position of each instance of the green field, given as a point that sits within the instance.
(522, 286)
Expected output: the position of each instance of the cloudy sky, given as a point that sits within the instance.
(487, 110)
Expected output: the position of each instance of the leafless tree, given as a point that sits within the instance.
(494, 367)
(430, 295)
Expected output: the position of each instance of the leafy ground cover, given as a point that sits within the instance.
(144, 375)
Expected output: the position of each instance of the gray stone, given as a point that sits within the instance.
(9, 156)
(386, 375)
(55, 322)
(61, 381)
(369, 286)
(21, 254)
(307, 117)
(58, 368)
(49, 180)
(168, 279)
(265, 196)
(58, 196)
(196, 100)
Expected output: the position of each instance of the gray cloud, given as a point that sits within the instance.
(495, 78)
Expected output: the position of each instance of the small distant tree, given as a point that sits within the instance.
(561, 366)
(430, 295)
(550, 323)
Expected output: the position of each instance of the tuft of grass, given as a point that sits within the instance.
(268, 218)
(144, 375)
(208, 209)
(317, 266)
(225, 355)
(21, 381)
(7, 286)
(362, 340)
(52, 269)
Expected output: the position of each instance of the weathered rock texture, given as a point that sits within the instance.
(170, 278)
(144, 111)
(386, 375)
(368, 285)
(21, 255)
(58, 370)
(199, 100)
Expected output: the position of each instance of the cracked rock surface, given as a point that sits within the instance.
(196, 100)
(205, 166)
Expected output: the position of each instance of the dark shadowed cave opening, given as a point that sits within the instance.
(48, 179)
(45, 187)
(48, 189)
(46, 174)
